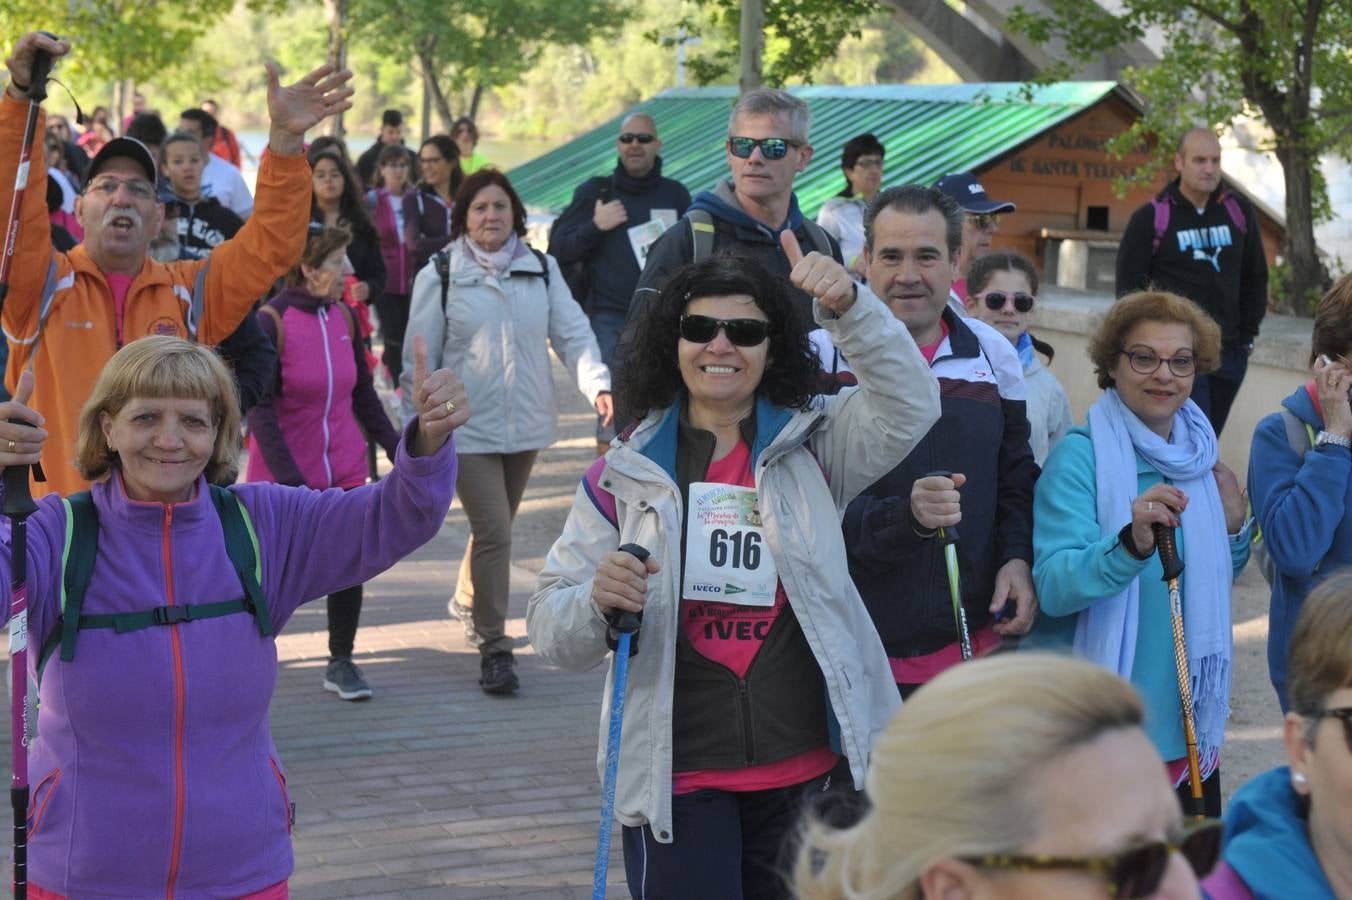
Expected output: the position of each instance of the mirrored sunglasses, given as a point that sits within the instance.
(984, 220)
(1131, 874)
(630, 136)
(1022, 302)
(742, 332)
(771, 148)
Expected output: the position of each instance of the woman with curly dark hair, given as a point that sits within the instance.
(760, 678)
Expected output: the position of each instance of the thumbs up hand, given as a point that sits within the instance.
(21, 433)
(818, 275)
(440, 400)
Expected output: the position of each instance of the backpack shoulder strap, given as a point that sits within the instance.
(544, 265)
(818, 237)
(77, 566)
(442, 260)
(241, 545)
(1231, 204)
(702, 232)
(1161, 205)
(276, 318)
(1299, 436)
(346, 312)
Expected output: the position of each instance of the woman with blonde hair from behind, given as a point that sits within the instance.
(1019, 776)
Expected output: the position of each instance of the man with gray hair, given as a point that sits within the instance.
(767, 147)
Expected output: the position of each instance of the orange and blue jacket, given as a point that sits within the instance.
(60, 317)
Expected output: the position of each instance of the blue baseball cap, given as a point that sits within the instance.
(967, 192)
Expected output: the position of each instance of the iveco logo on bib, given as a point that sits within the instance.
(701, 588)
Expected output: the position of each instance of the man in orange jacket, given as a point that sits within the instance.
(67, 313)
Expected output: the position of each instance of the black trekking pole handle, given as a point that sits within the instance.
(42, 67)
(624, 621)
(1167, 545)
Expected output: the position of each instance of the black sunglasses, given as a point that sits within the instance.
(742, 332)
(771, 148)
(1131, 874)
(630, 136)
(1344, 713)
(1022, 302)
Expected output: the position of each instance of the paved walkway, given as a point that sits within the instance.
(433, 789)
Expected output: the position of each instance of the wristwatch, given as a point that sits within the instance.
(1328, 437)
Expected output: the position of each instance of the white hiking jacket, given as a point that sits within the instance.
(851, 439)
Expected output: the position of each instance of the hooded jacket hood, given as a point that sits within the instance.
(722, 202)
(1268, 840)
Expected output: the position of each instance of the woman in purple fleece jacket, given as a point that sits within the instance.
(154, 770)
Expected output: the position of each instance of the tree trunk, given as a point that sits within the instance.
(337, 10)
(752, 44)
(438, 95)
(1308, 278)
(474, 101)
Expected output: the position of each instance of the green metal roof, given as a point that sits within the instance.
(928, 131)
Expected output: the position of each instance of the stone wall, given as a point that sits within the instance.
(1065, 319)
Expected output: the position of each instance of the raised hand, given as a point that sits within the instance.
(21, 433)
(821, 276)
(606, 216)
(440, 400)
(295, 108)
(20, 60)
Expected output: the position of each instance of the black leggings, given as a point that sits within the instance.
(344, 613)
(1211, 795)
(393, 312)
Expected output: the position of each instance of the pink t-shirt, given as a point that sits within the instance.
(731, 635)
(928, 350)
(119, 284)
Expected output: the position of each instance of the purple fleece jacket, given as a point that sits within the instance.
(154, 771)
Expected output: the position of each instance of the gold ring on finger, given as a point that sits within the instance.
(450, 407)
(13, 447)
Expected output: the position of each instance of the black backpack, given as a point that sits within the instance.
(82, 547)
(577, 274)
(442, 260)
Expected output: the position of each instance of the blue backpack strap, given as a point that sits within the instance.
(241, 545)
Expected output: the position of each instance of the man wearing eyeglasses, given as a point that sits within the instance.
(980, 221)
(767, 147)
(602, 239)
(1199, 239)
(67, 313)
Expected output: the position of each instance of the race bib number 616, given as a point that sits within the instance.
(726, 559)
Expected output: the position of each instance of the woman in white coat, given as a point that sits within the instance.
(489, 322)
(759, 677)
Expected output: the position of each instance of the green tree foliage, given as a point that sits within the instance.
(800, 35)
(1286, 61)
(114, 39)
(468, 46)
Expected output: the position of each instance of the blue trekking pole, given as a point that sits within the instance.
(625, 626)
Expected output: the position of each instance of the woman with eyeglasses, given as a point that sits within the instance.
(1288, 832)
(393, 184)
(1017, 777)
(337, 201)
(759, 679)
(842, 216)
(493, 321)
(1146, 458)
(1300, 478)
(427, 208)
(1002, 291)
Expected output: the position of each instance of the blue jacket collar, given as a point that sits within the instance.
(661, 446)
(1268, 840)
(1300, 403)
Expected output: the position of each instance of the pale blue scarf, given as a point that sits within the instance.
(1106, 630)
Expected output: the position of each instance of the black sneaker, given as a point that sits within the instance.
(496, 675)
(344, 678)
